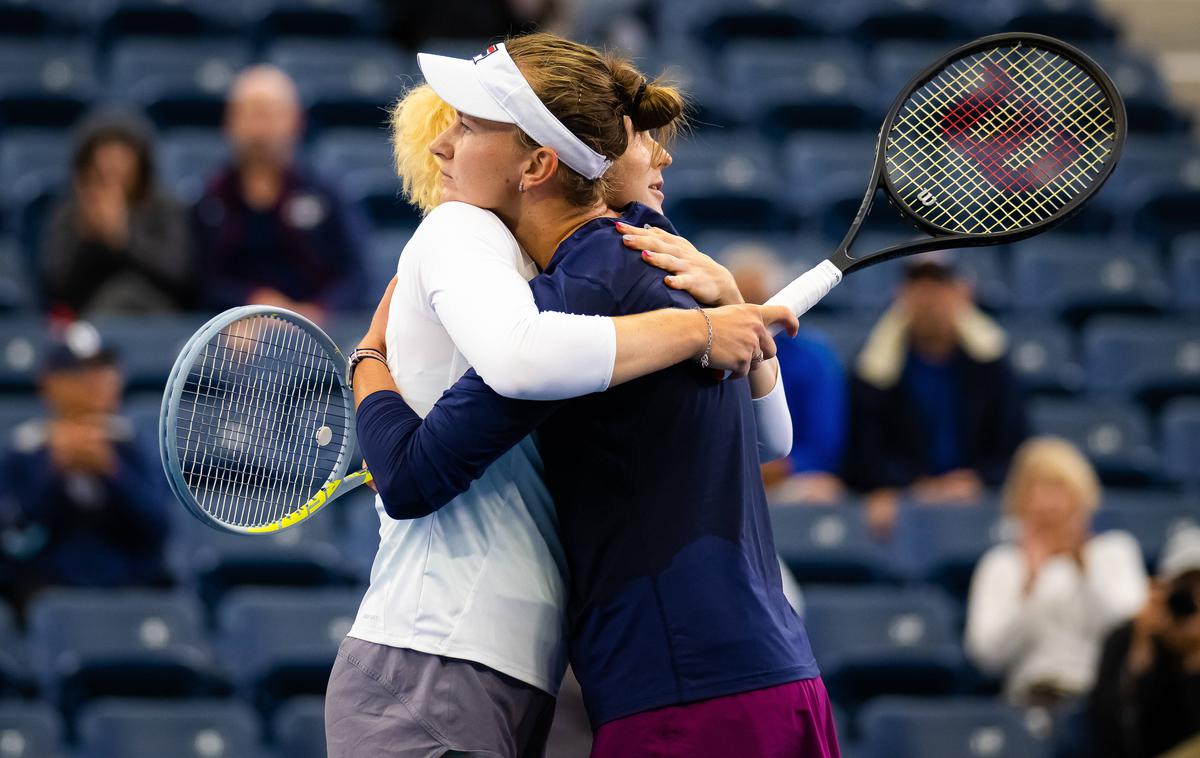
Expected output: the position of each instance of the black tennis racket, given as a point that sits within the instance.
(1001, 139)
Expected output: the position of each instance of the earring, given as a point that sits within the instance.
(521, 187)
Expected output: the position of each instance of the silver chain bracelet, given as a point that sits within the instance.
(708, 347)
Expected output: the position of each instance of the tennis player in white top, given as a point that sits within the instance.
(459, 643)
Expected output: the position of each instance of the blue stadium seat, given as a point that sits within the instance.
(846, 333)
(382, 255)
(189, 158)
(345, 83)
(44, 83)
(282, 643)
(941, 21)
(360, 531)
(30, 729)
(718, 23)
(1077, 278)
(787, 86)
(1163, 501)
(1166, 210)
(23, 341)
(89, 643)
(724, 182)
(1146, 162)
(316, 18)
(115, 20)
(1116, 437)
(1075, 20)
(940, 545)
(828, 544)
(299, 728)
(874, 640)
(1185, 272)
(1152, 358)
(343, 152)
(1147, 102)
(18, 287)
(894, 64)
(177, 82)
(933, 728)
(813, 161)
(186, 729)
(1149, 523)
(1043, 356)
(147, 348)
(33, 170)
(14, 678)
(1181, 441)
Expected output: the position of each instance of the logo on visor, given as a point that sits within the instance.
(491, 49)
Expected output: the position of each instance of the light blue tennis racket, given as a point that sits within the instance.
(257, 424)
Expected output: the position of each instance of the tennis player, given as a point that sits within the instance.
(680, 634)
(470, 601)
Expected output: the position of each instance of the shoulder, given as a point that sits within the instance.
(1003, 558)
(454, 229)
(1113, 545)
(600, 261)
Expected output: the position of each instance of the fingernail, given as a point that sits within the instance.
(627, 237)
(645, 253)
(620, 225)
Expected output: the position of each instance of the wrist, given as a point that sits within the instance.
(706, 339)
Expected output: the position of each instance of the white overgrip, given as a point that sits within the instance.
(807, 289)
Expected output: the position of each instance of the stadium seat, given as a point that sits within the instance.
(1151, 499)
(299, 728)
(828, 544)
(189, 158)
(30, 729)
(18, 288)
(718, 23)
(116, 20)
(282, 643)
(1043, 356)
(1185, 272)
(16, 409)
(872, 641)
(147, 348)
(1074, 20)
(23, 341)
(44, 83)
(316, 18)
(341, 153)
(1150, 525)
(895, 63)
(895, 727)
(1076, 278)
(845, 333)
(1147, 101)
(360, 531)
(815, 160)
(33, 170)
(13, 670)
(184, 729)
(940, 545)
(941, 21)
(383, 253)
(787, 86)
(1115, 437)
(1149, 357)
(1181, 441)
(1168, 210)
(724, 182)
(345, 83)
(177, 82)
(22, 19)
(89, 643)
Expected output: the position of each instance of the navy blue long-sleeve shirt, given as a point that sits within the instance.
(675, 591)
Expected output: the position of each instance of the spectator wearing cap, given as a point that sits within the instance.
(86, 507)
(118, 243)
(1146, 701)
(1040, 605)
(268, 231)
(935, 410)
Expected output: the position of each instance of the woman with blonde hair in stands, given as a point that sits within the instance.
(1040, 607)
(468, 599)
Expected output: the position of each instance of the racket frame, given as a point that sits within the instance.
(942, 238)
(335, 485)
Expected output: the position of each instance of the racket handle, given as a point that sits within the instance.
(806, 290)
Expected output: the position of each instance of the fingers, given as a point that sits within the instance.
(665, 261)
(783, 316)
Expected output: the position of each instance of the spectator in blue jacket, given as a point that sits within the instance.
(936, 412)
(267, 230)
(84, 506)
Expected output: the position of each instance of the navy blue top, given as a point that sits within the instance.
(937, 395)
(675, 592)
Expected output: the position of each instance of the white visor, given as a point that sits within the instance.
(491, 88)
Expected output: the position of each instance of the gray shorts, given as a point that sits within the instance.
(387, 701)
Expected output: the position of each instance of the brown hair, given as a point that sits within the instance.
(591, 92)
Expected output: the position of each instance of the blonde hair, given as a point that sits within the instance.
(1050, 459)
(588, 91)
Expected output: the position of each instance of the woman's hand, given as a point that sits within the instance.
(376, 336)
(742, 337)
(688, 268)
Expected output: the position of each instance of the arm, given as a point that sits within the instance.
(998, 617)
(1115, 581)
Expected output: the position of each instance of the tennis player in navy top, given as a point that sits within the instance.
(680, 634)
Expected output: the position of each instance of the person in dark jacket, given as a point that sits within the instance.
(1146, 700)
(935, 410)
(84, 505)
(117, 242)
(268, 231)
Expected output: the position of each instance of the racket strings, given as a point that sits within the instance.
(249, 415)
(1000, 140)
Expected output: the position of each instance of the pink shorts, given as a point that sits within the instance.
(792, 720)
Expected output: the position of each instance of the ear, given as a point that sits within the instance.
(540, 168)
(629, 131)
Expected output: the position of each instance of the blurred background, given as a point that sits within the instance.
(152, 173)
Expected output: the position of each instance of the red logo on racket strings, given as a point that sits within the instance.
(1014, 124)
(491, 49)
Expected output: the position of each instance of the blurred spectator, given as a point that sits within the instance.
(84, 506)
(118, 242)
(411, 24)
(1147, 695)
(935, 409)
(267, 230)
(1039, 609)
(815, 384)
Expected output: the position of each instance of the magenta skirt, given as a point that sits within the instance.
(792, 720)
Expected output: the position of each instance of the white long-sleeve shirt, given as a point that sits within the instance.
(1053, 633)
(482, 578)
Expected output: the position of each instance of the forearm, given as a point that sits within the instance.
(771, 416)
(649, 342)
(371, 376)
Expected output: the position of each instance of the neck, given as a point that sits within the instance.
(541, 224)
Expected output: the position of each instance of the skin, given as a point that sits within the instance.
(1053, 523)
(80, 403)
(1155, 623)
(104, 189)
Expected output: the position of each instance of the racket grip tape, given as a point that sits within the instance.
(807, 289)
